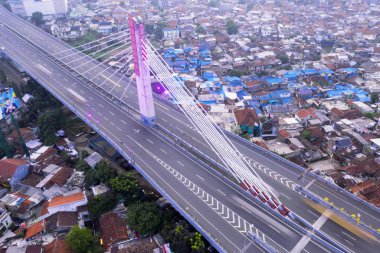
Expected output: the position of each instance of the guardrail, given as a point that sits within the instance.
(337, 211)
(84, 80)
(131, 161)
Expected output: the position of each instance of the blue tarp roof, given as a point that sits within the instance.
(310, 71)
(326, 71)
(274, 80)
(350, 70)
(241, 93)
(363, 98)
(294, 72)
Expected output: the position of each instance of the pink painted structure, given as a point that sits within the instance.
(142, 72)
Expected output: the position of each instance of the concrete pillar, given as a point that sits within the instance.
(142, 73)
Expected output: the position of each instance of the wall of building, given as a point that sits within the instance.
(46, 7)
(21, 172)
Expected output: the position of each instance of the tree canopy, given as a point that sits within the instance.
(232, 27)
(3, 77)
(127, 185)
(37, 18)
(48, 124)
(102, 173)
(81, 240)
(100, 204)
(197, 244)
(144, 217)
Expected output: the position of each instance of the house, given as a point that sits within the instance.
(57, 177)
(120, 15)
(248, 120)
(5, 220)
(12, 171)
(58, 245)
(375, 144)
(61, 222)
(305, 114)
(67, 203)
(112, 229)
(34, 230)
(171, 33)
(93, 159)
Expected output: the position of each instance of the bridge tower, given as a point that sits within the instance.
(142, 73)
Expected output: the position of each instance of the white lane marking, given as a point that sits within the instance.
(286, 196)
(180, 163)
(150, 141)
(163, 151)
(123, 122)
(314, 214)
(348, 235)
(221, 192)
(310, 183)
(301, 244)
(112, 113)
(200, 177)
(118, 128)
(91, 98)
(164, 120)
(112, 123)
(102, 106)
(275, 229)
(44, 69)
(349, 242)
(106, 118)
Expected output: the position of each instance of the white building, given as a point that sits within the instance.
(46, 7)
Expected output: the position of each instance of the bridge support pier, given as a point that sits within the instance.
(142, 73)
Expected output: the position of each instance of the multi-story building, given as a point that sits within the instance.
(46, 7)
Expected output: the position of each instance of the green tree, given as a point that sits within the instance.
(102, 173)
(374, 98)
(48, 124)
(37, 18)
(100, 204)
(81, 240)
(5, 4)
(306, 134)
(235, 72)
(200, 29)
(149, 28)
(145, 217)
(127, 185)
(122, 4)
(82, 165)
(370, 115)
(214, 3)
(3, 77)
(231, 27)
(158, 32)
(284, 58)
(197, 244)
(178, 235)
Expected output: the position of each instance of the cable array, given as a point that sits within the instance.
(231, 158)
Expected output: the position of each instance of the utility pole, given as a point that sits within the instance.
(25, 149)
(4, 145)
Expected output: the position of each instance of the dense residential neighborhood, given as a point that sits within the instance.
(299, 80)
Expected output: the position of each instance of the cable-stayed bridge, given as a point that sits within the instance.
(108, 101)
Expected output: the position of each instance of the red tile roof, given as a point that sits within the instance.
(8, 167)
(34, 229)
(58, 245)
(112, 229)
(61, 200)
(284, 134)
(305, 113)
(246, 117)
